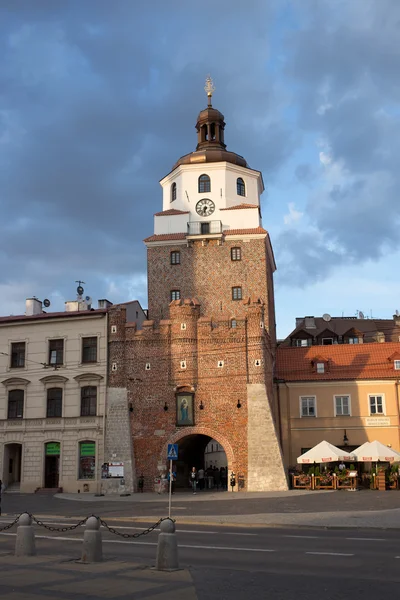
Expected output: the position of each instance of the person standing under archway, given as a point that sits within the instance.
(193, 479)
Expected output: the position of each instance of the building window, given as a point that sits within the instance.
(301, 343)
(175, 295)
(18, 355)
(376, 405)
(173, 192)
(87, 460)
(56, 352)
(236, 254)
(327, 341)
(88, 401)
(353, 340)
(320, 367)
(307, 406)
(240, 187)
(236, 293)
(89, 350)
(342, 406)
(204, 184)
(15, 404)
(175, 258)
(233, 323)
(397, 365)
(54, 402)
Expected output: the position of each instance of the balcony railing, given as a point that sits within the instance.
(204, 227)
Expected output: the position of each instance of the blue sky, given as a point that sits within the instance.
(98, 99)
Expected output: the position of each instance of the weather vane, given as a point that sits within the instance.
(209, 88)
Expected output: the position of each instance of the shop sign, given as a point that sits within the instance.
(53, 449)
(88, 449)
(377, 421)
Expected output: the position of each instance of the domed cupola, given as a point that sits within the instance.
(210, 123)
(210, 137)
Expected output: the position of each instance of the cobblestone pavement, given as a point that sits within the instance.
(59, 578)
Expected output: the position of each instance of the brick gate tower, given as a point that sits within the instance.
(201, 367)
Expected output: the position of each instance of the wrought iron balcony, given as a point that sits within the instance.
(204, 227)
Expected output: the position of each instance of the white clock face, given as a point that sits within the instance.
(205, 207)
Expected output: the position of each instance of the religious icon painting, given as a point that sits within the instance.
(184, 409)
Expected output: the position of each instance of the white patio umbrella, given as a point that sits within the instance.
(376, 451)
(324, 452)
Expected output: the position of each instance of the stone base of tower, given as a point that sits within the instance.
(118, 443)
(265, 463)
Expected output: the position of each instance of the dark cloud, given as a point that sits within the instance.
(343, 60)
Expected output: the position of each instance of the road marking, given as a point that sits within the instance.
(71, 539)
(305, 537)
(331, 553)
(367, 539)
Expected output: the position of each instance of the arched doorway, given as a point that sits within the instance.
(12, 462)
(192, 452)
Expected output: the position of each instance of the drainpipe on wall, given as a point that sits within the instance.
(397, 383)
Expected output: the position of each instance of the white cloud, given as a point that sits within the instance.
(293, 216)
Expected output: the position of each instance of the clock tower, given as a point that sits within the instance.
(200, 370)
(209, 242)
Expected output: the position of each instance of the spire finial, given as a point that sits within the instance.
(209, 88)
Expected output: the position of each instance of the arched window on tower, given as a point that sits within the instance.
(240, 187)
(204, 184)
(173, 192)
(212, 131)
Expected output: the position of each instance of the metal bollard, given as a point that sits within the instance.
(25, 542)
(167, 547)
(92, 550)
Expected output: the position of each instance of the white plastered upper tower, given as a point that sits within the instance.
(211, 188)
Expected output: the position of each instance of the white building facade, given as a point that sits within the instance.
(53, 370)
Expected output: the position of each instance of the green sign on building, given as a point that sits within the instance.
(53, 449)
(88, 449)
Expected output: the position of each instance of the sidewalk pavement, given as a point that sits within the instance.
(206, 496)
(55, 577)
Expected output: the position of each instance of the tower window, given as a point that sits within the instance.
(240, 187)
(204, 184)
(173, 192)
(175, 295)
(175, 258)
(236, 254)
(236, 293)
(233, 323)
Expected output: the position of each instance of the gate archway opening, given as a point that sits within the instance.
(202, 452)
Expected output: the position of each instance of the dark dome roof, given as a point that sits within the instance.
(210, 114)
(208, 155)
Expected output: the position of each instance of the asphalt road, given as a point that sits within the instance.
(227, 504)
(226, 562)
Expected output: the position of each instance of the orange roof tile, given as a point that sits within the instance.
(345, 361)
(165, 236)
(244, 231)
(171, 211)
(243, 205)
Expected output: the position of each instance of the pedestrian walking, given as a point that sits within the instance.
(200, 478)
(193, 479)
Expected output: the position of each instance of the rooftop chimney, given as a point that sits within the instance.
(103, 303)
(33, 306)
(309, 322)
(299, 321)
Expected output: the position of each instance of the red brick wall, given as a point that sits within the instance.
(208, 274)
(202, 344)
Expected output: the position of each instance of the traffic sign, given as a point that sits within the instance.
(172, 452)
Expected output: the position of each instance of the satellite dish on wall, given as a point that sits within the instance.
(88, 300)
(326, 317)
(46, 303)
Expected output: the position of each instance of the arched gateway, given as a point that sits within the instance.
(191, 447)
